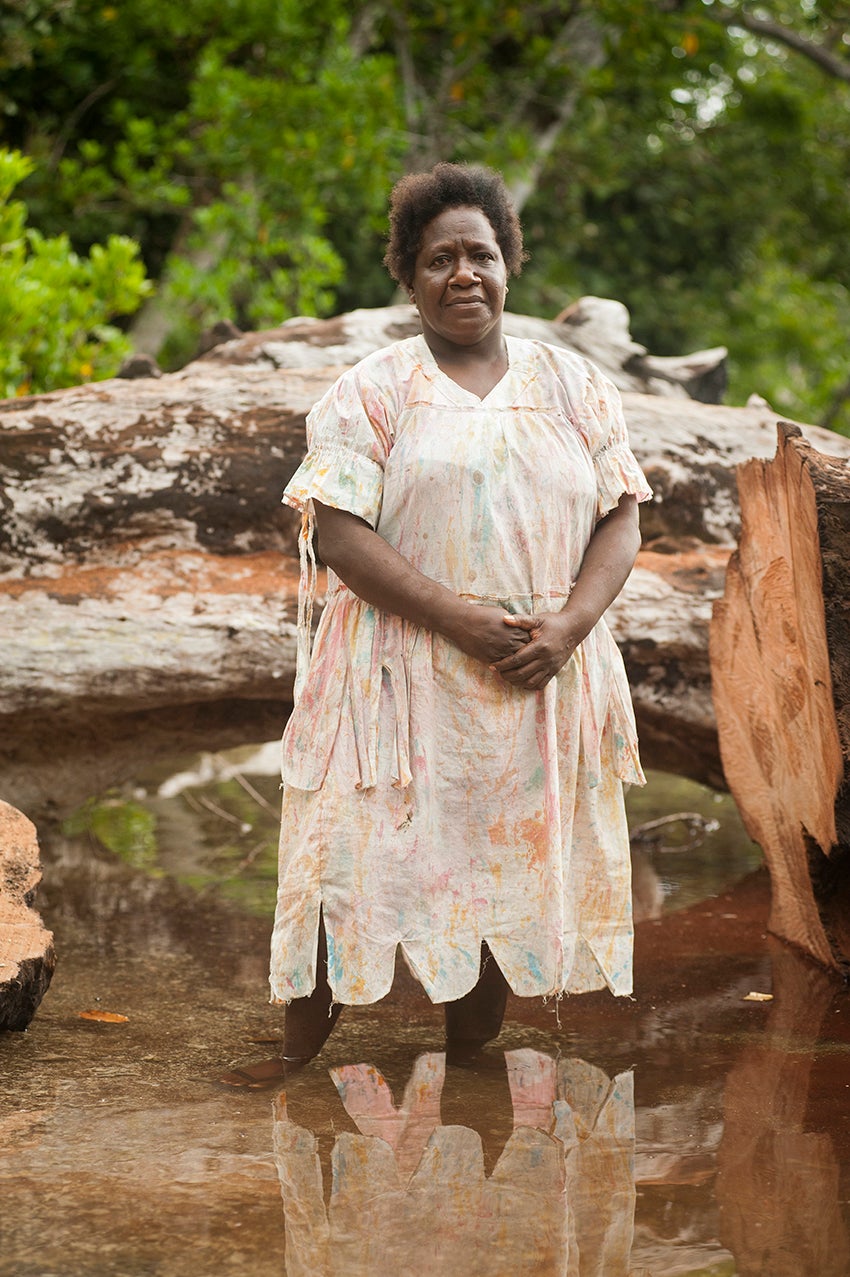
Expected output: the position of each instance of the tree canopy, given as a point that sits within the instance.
(689, 157)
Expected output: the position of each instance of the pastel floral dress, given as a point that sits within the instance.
(428, 804)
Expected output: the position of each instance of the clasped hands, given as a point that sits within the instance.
(526, 651)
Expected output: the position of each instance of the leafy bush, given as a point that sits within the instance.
(56, 307)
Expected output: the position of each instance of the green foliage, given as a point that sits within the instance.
(55, 306)
(790, 340)
(244, 145)
(286, 157)
(710, 197)
(692, 169)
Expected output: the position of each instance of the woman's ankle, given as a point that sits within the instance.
(308, 1023)
(477, 1017)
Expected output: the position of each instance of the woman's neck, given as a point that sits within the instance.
(476, 368)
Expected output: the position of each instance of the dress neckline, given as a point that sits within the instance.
(432, 364)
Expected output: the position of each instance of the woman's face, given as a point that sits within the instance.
(459, 281)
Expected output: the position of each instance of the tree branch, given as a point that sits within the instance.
(586, 40)
(74, 118)
(817, 53)
(411, 89)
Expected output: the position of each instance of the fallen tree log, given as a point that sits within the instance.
(27, 957)
(197, 459)
(595, 327)
(105, 658)
(780, 661)
(661, 622)
(147, 566)
(168, 627)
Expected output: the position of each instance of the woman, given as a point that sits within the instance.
(453, 767)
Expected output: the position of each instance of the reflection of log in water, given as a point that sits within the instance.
(777, 1184)
(410, 1194)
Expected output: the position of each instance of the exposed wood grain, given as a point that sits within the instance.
(779, 658)
(27, 957)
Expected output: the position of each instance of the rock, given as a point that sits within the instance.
(139, 365)
(27, 957)
(220, 332)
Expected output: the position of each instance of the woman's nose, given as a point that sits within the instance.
(464, 272)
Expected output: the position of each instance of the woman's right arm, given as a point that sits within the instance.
(378, 574)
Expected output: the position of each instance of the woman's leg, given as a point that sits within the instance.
(308, 1022)
(477, 1017)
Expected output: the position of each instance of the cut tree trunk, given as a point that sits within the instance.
(27, 957)
(780, 661)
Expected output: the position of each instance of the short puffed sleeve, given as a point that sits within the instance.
(615, 465)
(348, 441)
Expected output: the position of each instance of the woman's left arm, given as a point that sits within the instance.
(607, 562)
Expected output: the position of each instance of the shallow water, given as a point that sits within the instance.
(685, 1131)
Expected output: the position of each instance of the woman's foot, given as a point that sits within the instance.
(308, 1024)
(256, 1077)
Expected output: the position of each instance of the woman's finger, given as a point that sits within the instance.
(520, 673)
(524, 656)
(523, 622)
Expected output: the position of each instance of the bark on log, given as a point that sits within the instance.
(780, 663)
(27, 957)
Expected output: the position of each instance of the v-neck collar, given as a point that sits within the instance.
(465, 395)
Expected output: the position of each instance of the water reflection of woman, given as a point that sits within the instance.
(453, 767)
(406, 1192)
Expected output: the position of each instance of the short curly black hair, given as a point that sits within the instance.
(420, 197)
